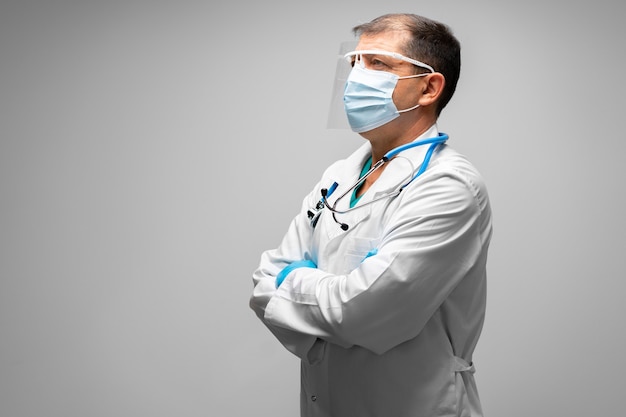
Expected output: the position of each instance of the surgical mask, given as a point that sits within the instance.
(368, 98)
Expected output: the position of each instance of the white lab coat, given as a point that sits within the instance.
(391, 335)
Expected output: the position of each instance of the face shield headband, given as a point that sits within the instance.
(358, 54)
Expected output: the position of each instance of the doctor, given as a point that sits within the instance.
(379, 285)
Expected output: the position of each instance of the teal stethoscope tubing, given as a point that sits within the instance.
(433, 142)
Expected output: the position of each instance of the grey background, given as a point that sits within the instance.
(151, 150)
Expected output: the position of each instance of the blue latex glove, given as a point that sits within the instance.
(294, 265)
(371, 253)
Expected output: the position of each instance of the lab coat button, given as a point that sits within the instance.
(313, 397)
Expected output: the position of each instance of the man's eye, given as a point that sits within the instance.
(378, 63)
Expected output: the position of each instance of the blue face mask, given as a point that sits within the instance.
(368, 98)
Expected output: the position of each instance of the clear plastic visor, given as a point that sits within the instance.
(337, 118)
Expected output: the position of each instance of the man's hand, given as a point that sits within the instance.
(294, 265)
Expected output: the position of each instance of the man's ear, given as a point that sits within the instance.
(432, 87)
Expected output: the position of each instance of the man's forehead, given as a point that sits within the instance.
(392, 41)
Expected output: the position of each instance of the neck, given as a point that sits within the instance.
(386, 138)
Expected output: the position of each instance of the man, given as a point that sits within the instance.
(379, 285)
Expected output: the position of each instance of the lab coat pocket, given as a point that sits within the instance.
(357, 249)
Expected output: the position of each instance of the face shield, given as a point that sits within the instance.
(337, 118)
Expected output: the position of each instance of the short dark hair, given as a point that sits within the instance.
(430, 41)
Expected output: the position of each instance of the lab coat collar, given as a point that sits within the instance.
(395, 174)
(398, 170)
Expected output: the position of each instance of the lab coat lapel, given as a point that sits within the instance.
(345, 177)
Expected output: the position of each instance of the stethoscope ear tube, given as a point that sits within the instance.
(441, 138)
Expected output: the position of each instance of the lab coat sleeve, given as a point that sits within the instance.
(431, 242)
(295, 246)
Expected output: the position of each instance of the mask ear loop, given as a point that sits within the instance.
(405, 78)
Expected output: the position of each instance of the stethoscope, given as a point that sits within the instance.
(314, 213)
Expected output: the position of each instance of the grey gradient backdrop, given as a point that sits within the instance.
(150, 150)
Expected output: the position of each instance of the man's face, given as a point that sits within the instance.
(406, 93)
